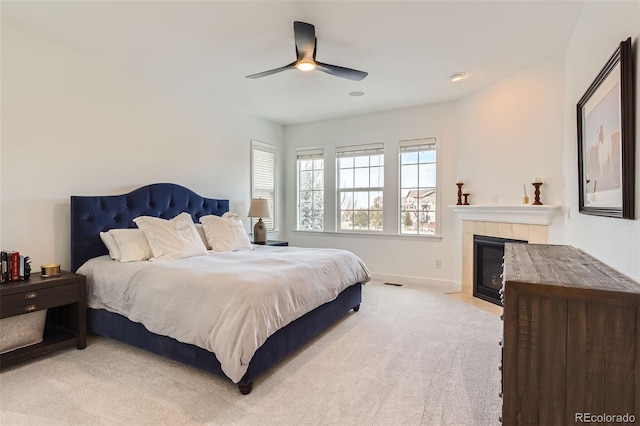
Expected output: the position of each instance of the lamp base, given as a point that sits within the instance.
(259, 232)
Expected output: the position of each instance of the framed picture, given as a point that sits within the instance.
(606, 139)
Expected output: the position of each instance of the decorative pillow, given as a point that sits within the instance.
(111, 245)
(172, 239)
(225, 233)
(132, 243)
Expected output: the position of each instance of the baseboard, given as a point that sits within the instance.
(447, 285)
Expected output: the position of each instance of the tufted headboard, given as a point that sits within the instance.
(95, 214)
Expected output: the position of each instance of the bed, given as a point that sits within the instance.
(91, 215)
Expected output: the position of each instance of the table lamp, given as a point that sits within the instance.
(259, 208)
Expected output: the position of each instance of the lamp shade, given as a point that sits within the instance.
(259, 208)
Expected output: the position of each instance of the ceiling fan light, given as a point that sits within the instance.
(305, 65)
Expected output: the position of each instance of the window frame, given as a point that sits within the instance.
(355, 151)
(312, 154)
(415, 143)
(271, 222)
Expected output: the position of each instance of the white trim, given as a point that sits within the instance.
(447, 286)
(529, 214)
(363, 234)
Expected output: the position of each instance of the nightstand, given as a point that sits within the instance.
(275, 243)
(64, 296)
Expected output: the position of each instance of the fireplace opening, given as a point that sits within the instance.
(488, 257)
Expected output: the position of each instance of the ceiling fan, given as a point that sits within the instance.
(306, 43)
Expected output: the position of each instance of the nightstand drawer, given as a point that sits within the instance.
(35, 300)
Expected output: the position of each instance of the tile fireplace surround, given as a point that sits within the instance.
(526, 222)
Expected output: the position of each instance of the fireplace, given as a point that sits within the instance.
(488, 254)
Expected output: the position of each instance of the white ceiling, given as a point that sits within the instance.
(408, 48)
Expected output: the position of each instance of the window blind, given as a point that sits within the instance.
(359, 150)
(263, 176)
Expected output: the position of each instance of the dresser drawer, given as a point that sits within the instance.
(35, 300)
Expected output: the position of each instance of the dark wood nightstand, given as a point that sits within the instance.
(277, 243)
(65, 297)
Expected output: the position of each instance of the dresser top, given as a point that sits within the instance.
(562, 266)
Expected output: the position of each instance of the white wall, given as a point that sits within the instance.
(598, 31)
(73, 124)
(387, 256)
(511, 131)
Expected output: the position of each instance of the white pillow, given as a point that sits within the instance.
(225, 234)
(132, 243)
(240, 237)
(203, 236)
(176, 238)
(111, 245)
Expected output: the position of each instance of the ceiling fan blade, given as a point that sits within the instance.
(347, 73)
(305, 35)
(273, 71)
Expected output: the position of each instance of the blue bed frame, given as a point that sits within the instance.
(91, 215)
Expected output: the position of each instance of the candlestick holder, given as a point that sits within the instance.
(466, 199)
(459, 203)
(536, 200)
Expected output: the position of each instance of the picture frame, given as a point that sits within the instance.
(606, 139)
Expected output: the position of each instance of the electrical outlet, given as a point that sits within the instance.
(438, 264)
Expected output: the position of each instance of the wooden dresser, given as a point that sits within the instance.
(571, 344)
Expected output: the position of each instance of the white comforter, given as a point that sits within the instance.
(227, 303)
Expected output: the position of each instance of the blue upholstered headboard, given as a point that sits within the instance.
(92, 215)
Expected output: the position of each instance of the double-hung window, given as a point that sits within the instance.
(310, 189)
(360, 187)
(418, 187)
(263, 177)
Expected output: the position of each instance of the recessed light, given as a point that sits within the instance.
(456, 76)
(356, 93)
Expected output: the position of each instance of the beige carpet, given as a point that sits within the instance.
(412, 355)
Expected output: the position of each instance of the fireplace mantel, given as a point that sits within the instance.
(528, 214)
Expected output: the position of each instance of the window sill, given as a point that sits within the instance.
(369, 235)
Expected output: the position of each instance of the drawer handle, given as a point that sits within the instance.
(31, 308)
(31, 295)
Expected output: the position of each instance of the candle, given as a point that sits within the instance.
(536, 179)
(459, 180)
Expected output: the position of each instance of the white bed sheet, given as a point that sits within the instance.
(227, 303)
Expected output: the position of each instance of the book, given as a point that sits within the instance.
(9, 261)
(15, 266)
(3, 265)
(26, 267)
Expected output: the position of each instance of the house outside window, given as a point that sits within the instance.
(310, 165)
(360, 187)
(263, 178)
(418, 187)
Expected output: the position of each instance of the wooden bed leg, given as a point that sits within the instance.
(356, 308)
(245, 388)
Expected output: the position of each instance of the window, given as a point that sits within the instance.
(360, 187)
(310, 190)
(263, 173)
(418, 187)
